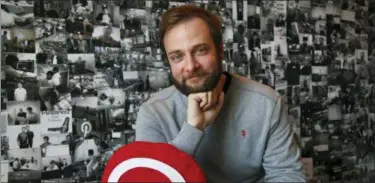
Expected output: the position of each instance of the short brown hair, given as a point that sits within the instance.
(179, 14)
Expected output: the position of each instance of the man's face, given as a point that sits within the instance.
(23, 129)
(19, 85)
(27, 128)
(49, 76)
(192, 57)
(21, 110)
(49, 6)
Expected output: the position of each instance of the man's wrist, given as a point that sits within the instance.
(198, 126)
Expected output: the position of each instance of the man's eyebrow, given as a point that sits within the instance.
(173, 51)
(194, 47)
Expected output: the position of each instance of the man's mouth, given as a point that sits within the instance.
(195, 78)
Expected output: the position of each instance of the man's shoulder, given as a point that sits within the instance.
(254, 88)
(163, 96)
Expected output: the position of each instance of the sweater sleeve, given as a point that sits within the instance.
(282, 157)
(149, 129)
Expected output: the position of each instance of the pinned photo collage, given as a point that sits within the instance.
(74, 74)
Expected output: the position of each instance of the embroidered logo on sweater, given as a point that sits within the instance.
(243, 134)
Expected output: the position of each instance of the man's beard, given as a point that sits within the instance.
(210, 82)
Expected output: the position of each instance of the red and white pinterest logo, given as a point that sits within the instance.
(151, 162)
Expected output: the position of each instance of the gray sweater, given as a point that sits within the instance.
(250, 141)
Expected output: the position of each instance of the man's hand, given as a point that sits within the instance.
(213, 96)
(201, 112)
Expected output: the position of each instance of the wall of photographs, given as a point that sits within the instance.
(75, 72)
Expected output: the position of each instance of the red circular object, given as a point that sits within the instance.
(138, 175)
(151, 162)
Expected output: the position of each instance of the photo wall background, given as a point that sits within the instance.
(74, 73)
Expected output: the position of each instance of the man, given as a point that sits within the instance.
(271, 76)
(54, 59)
(69, 141)
(52, 166)
(64, 163)
(20, 94)
(106, 39)
(361, 59)
(82, 45)
(41, 57)
(72, 44)
(32, 117)
(30, 136)
(56, 78)
(280, 22)
(22, 139)
(104, 18)
(48, 82)
(43, 146)
(49, 10)
(4, 38)
(239, 36)
(21, 117)
(16, 164)
(240, 56)
(240, 136)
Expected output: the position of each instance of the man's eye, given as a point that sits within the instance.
(176, 57)
(201, 51)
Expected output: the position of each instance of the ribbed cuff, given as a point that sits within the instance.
(188, 139)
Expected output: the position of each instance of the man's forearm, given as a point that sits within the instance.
(188, 139)
(148, 129)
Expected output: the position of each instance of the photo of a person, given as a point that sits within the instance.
(20, 94)
(104, 18)
(21, 117)
(30, 136)
(43, 146)
(23, 139)
(32, 117)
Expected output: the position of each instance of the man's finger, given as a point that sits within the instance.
(209, 101)
(204, 100)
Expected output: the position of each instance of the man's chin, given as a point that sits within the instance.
(198, 89)
(187, 88)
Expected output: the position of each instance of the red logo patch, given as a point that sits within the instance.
(243, 134)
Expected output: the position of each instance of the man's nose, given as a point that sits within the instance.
(190, 63)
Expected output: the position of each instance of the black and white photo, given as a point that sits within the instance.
(23, 113)
(17, 14)
(24, 164)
